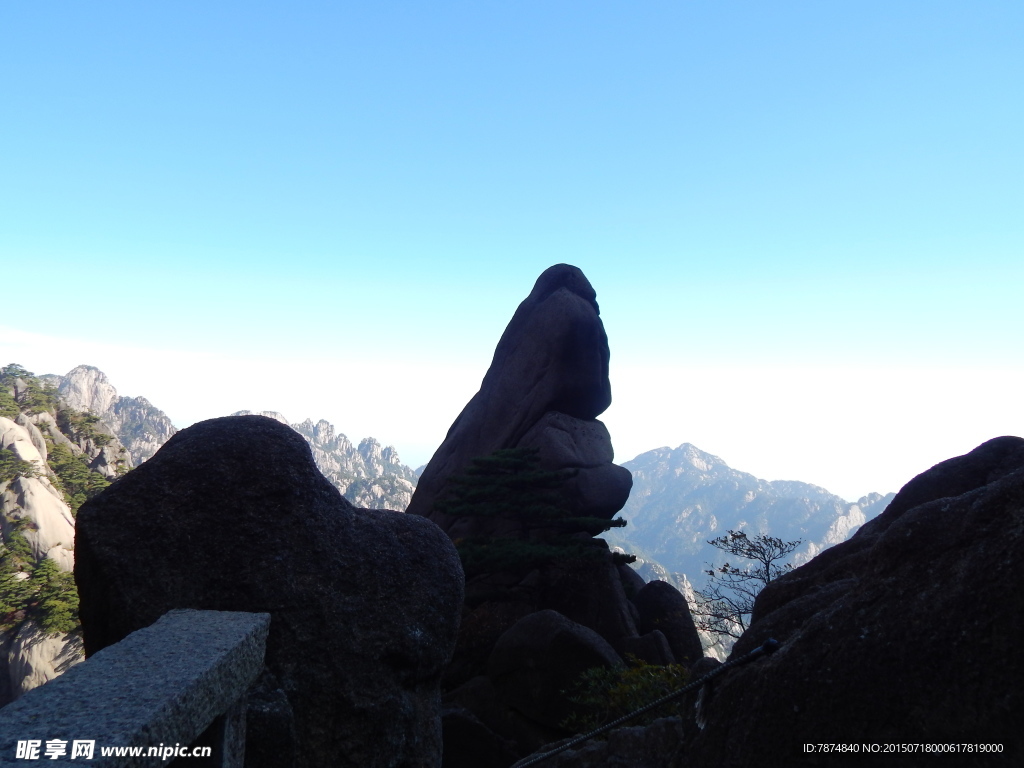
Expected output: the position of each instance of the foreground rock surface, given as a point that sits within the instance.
(907, 633)
(232, 514)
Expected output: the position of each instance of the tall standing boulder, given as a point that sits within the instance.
(232, 514)
(549, 375)
(545, 388)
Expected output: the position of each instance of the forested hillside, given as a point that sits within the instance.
(52, 459)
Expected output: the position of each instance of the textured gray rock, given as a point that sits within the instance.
(24, 421)
(51, 529)
(471, 744)
(589, 593)
(632, 582)
(232, 514)
(35, 658)
(139, 425)
(86, 388)
(271, 740)
(163, 685)
(37, 511)
(654, 746)
(549, 374)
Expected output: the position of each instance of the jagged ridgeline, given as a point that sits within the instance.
(684, 496)
(369, 475)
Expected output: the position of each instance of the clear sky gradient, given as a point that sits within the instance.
(804, 221)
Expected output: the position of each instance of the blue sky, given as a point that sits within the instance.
(803, 220)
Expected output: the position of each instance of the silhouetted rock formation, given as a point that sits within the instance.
(663, 609)
(232, 514)
(546, 385)
(527, 635)
(907, 633)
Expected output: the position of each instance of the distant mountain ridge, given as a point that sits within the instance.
(701, 490)
(684, 496)
(369, 476)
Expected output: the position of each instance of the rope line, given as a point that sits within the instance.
(767, 648)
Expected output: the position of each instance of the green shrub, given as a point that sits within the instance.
(48, 595)
(80, 424)
(8, 406)
(56, 607)
(603, 694)
(36, 398)
(17, 551)
(75, 478)
(11, 467)
(15, 595)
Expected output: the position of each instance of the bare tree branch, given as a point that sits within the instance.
(724, 606)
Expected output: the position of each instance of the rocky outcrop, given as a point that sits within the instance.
(139, 425)
(657, 745)
(545, 386)
(549, 376)
(37, 524)
(232, 514)
(35, 657)
(49, 527)
(86, 388)
(908, 632)
(530, 630)
(368, 476)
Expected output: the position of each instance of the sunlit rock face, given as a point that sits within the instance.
(50, 531)
(139, 425)
(34, 508)
(35, 657)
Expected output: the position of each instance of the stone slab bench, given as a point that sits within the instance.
(163, 687)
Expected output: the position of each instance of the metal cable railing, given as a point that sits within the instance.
(767, 648)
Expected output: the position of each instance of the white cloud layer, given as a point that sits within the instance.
(852, 429)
